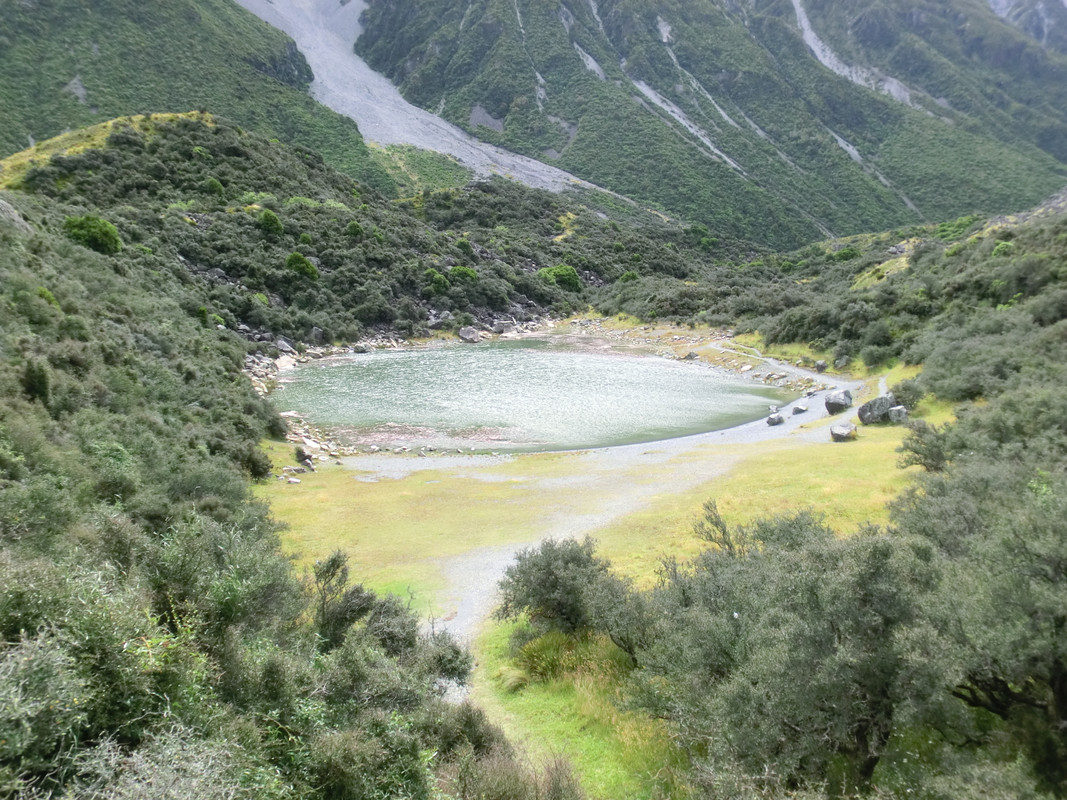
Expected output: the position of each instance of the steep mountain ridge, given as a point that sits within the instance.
(781, 121)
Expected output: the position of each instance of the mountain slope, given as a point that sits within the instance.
(777, 120)
(65, 64)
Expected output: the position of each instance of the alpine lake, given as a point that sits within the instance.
(517, 395)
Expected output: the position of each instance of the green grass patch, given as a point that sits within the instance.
(848, 483)
(616, 753)
(399, 531)
(415, 170)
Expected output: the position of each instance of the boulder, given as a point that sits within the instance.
(898, 415)
(800, 409)
(877, 410)
(843, 432)
(838, 401)
(775, 419)
(285, 345)
(842, 362)
(820, 366)
(469, 334)
(503, 327)
(316, 334)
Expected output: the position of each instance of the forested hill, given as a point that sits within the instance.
(66, 64)
(287, 244)
(777, 121)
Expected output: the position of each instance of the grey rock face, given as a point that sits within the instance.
(843, 432)
(898, 415)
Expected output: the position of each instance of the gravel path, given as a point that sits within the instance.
(325, 31)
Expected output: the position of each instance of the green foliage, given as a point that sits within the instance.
(549, 584)
(269, 223)
(563, 275)
(93, 232)
(130, 62)
(150, 627)
(298, 263)
(799, 141)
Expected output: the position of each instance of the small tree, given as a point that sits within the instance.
(269, 223)
(551, 583)
(337, 606)
(299, 264)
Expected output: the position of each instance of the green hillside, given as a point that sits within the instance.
(154, 642)
(67, 64)
(722, 114)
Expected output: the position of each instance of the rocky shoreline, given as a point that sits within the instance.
(266, 367)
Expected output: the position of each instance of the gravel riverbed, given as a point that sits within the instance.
(325, 32)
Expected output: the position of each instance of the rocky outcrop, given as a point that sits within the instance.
(469, 334)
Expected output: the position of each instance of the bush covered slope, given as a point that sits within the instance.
(722, 113)
(926, 658)
(200, 196)
(153, 636)
(154, 642)
(66, 64)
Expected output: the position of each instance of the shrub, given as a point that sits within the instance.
(298, 263)
(551, 584)
(268, 222)
(93, 232)
(562, 275)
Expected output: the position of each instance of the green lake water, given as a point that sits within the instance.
(518, 395)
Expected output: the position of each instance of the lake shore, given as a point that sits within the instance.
(582, 492)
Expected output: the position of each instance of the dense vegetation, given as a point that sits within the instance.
(923, 659)
(154, 636)
(720, 113)
(67, 64)
(203, 197)
(154, 642)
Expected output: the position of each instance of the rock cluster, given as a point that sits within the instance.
(882, 409)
